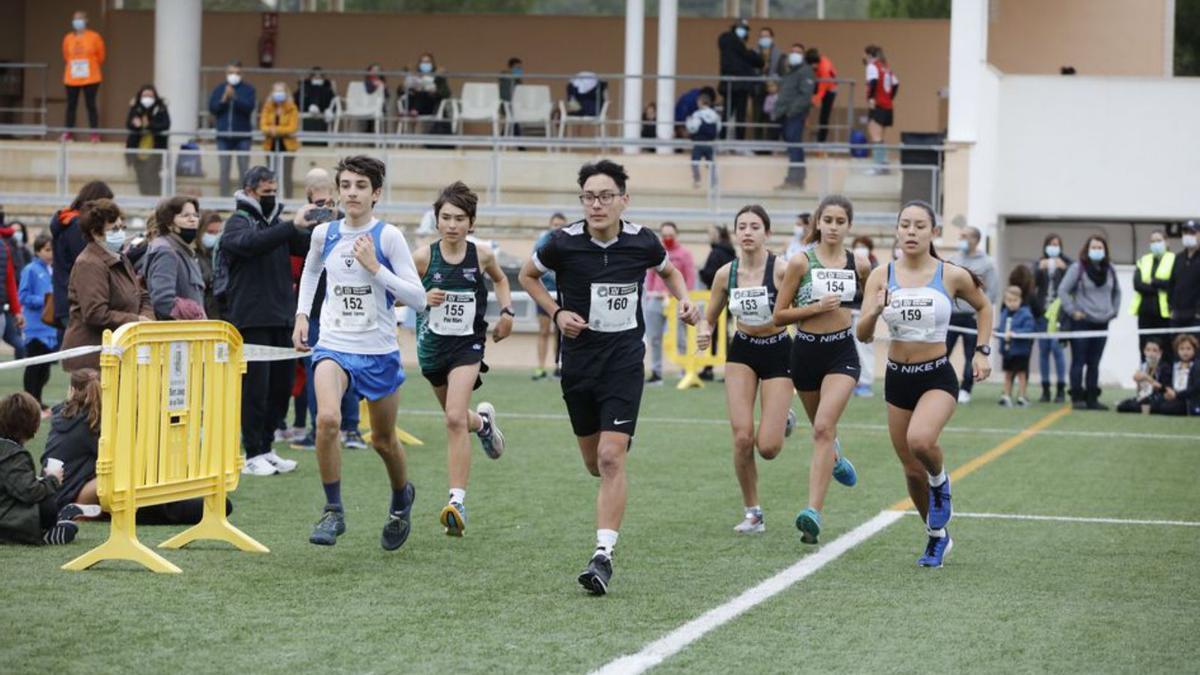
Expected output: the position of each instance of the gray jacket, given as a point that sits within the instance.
(1099, 304)
(983, 267)
(795, 93)
(171, 271)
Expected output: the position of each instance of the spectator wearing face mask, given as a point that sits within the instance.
(104, 291)
(68, 242)
(426, 89)
(773, 62)
(1181, 381)
(231, 104)
(972, 257)
(656, 297)
(206, 244)
(314, 99)
(863, 247)
(259, 300)
(826, 89)
(791, 111)
(796, 245)
(83, 53)
(1184, 291)
(375, 79)
(1047, 275)
(279, 121)
(148, 123)
(1151, 286)
(170, 266)
(738, 60)
(1091, 296)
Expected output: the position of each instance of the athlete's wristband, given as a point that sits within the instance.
(508, 311)
(554, 319)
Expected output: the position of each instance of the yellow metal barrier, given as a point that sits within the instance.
(364, 427)
(692, 360)
(169, 430)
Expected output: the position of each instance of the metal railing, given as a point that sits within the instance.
(17, 116)
(520, 186)
(841, 122)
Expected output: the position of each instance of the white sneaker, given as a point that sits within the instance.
(259, 465)
(1006, 401)
(281, 465)
(493, 444)
(753, 524)
(964, 396)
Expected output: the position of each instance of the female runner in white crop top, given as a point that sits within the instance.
(914, 296)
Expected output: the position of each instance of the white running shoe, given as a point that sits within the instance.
(791, 423)
(259, 465)
(964, 396)
(753, 524)
(493, 443)
(281, 465)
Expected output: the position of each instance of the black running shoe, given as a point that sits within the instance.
(331, 525)
(595, 577)
(399, 523)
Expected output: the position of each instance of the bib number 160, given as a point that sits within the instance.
(619, 303)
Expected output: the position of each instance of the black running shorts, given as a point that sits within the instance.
(815, 355)
(608, 402)
(906, 383)
(767, 356)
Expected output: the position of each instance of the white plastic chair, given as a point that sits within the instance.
(360, 105)
(411, 123)
(599, 120)
(480, 102)
(531, 106)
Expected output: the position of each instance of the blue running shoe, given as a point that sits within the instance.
(331, 525)
(454, 519)
(843, 470)
(399, 523)
(808, 522)
(936, 551)
(939, 506)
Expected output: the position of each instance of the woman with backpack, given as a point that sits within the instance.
(1090, 296)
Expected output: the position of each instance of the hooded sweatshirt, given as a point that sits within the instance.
(21, 490)
(257, 250)
(72, 442)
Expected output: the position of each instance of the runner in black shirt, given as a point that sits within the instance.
(600, 263)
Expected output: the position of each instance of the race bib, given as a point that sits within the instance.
(751, 305)
(912, 317)
(614, 307)
(840, 282)
(455, 316)
(352, 309)
(81, 69)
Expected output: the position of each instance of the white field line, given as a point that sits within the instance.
(672, 643)
(847, 425)
(1072, 519)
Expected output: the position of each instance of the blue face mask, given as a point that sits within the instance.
(278, 96)
(1095, 254)
(78, 24)
(740, 32)
(1053, 251)
(1158, 247)
(765, 42)
(425, 67)
(518, 70)
(209, 240)
(114, 240)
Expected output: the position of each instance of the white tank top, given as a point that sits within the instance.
(918, 314)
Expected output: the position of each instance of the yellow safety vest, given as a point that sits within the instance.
(1144, 265)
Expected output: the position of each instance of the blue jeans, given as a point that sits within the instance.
(1085, 354)
(350, 418)
(1047, 348)
(793, 132)
(12, 335)
(241, 144)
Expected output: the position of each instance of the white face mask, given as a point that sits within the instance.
(114, 239)
(19, 237)
(765, 42)
(233, 79)
(964, 245)
(316, 81)
(1053, 251)
(740, 32)
(862, 251)
(426, 67)
(1189, 241)
(279, 96)
(798, 232)
(795, 59)
(1095, 254)
(147, 101)
(1158, 247)
(78, 24)
(209, 239)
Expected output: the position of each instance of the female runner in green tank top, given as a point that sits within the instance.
(451, 337)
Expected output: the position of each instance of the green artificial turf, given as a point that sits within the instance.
(1015, 596)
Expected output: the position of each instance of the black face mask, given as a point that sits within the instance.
(188, 236)
(267, 204)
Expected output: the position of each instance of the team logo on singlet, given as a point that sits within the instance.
(469, 274)
(437, 276)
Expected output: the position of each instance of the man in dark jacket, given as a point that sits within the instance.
(68, 243)
(791, 111)
(314, 97)
(738, 60)
(231, 105)
(1184, 291)
(255, 247)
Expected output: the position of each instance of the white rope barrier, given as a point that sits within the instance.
(249, 351)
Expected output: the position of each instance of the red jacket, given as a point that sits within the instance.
(11, 282)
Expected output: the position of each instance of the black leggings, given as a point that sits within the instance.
(48, 513)
(37, 376)
(89, 99)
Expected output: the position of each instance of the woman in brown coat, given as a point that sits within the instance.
(103, 292)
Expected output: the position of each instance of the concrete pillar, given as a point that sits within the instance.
(177, 27)
(668, 24)
(968, 59)
(631, 92)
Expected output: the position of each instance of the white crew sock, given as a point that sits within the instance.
(752, 511)
(458, 495)
(936, 533)
(936, 481)
(606, 541)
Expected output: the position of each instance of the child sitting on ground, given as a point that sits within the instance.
(1015, 318)
(28, 510)
(1149, 377)
(1181, 385)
